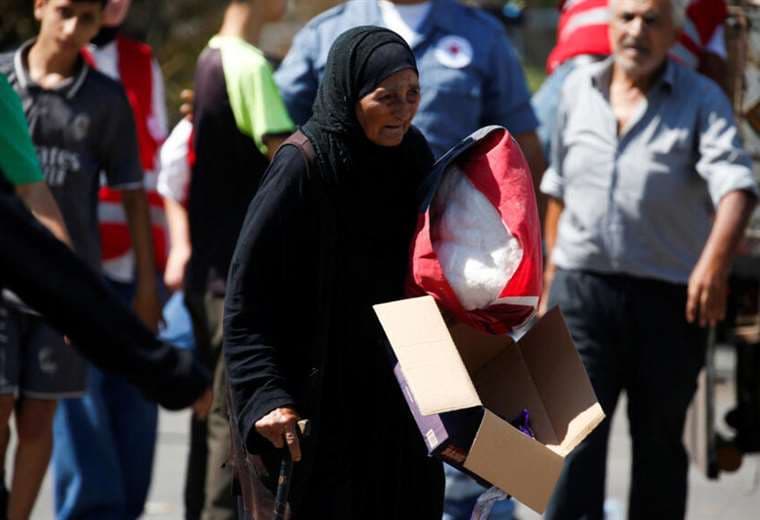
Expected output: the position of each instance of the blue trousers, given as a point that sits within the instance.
(105, 442)
(632, 335)
(103, 451)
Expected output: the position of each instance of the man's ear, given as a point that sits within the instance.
(39, 9)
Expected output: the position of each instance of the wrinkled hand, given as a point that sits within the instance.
(202, 406)
(707, 293)
(147, 308)
(279, 427)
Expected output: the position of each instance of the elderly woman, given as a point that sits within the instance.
(326, 237)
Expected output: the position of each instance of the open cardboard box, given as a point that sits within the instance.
(462, 384)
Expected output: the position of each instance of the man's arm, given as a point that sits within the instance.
(37, 197)
(273, 142)
(146, 303)
(554, 209)
(708, 283)
(179, 238)
(534, 154)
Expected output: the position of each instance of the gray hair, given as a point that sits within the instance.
(678, 8)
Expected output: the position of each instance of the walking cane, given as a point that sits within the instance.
(286, 474)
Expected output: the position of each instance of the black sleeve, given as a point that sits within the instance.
(75, 300)
(262, 274)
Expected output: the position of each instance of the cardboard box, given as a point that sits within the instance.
(463, 387)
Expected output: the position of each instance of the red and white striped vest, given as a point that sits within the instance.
(582, 30)
(135, 70)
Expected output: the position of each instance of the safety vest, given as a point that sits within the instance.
(582, 29)
(135, 69)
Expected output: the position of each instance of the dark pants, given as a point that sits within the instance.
(208, 484)
(632, 335)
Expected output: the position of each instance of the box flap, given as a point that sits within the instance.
(428, 357)
(561, 380)
(506, 388)
(477, 348)
(514, 462)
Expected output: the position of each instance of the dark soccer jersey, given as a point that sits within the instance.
(236, 105)
(80, 129)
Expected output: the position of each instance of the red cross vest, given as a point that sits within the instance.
(582, 30)
(135, 70)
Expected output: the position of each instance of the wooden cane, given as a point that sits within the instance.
(286, 474)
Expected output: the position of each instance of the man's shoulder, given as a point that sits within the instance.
(101, 89)
(244, 54)
(693, 84)
(6, 62)
(341, 13)
(581, 77)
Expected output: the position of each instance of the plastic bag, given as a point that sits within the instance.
(477, 249)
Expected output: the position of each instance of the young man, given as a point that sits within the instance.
(81, 125)
(127, 448)
(239, 120)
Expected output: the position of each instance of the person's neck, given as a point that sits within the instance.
(241, 22)
(48, 67)
(623, 80)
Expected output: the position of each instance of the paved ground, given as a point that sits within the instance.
(733, 497)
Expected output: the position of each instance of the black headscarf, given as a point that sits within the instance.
(359, 60)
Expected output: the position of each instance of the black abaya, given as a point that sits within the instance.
(322, 242)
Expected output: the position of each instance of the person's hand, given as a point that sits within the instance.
(202, 406)
(280, 427)
(707, 293)
(543, 304)
(174, 274)
(147, 307)
(186, 108)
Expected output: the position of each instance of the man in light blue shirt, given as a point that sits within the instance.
(649, 194)
(469, 74)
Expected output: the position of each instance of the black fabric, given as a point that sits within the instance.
(387, 57)
(355, 65)
(105, 35)
(312, 259)
(225, 176)
(632, 336)
(76, 301)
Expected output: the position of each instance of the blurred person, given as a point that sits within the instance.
(470, 77)
(173, 183)
(325, 238)
(75, 299)
(18, 157)
(239, 121)
(650, 192)
(125, 449)
(81, 125)
(582, 38)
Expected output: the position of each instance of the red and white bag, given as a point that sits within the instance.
(477, 249)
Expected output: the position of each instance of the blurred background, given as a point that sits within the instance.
(179, 29)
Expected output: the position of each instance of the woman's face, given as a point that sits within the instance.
(386, 113)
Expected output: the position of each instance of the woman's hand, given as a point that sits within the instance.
(278, 425)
